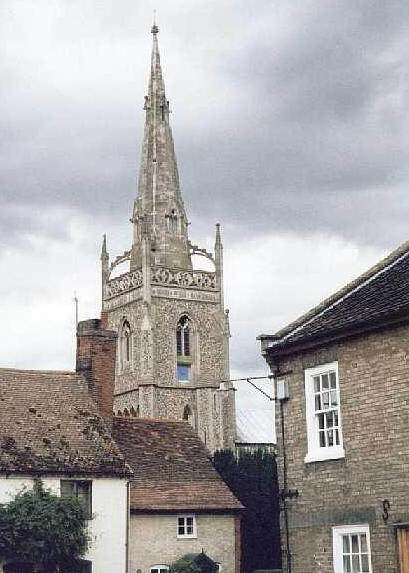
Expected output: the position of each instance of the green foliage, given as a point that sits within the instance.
(194, 563)
(253, 479)
(43, 528)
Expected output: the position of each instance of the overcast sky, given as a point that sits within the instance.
(291, 128)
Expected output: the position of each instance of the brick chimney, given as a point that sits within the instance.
(96, 355)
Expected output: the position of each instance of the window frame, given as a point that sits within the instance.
(185, 350)
(186, 516)
(315, 452)
(159, 568)
(337, 543)
(76, 482)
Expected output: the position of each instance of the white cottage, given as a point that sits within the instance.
(56, 425)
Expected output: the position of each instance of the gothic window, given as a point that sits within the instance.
(125, 345)
(132, 412)
(126, 413)
(183, 349)
(188, 415)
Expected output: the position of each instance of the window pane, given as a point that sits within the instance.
(325, 381)
(354, 542)
(334, 398)
(330, 438)
(183, 372)
(330, 419)
(316, 383)
(345, 544)
(321, 421)
(365, 564)
(318, 402)
(325, 399)
(364, 545)
(337, 442)
(181, 530)
(67, 487)
(333, 379)
(322, 439)
(355, 564)
(347, 564)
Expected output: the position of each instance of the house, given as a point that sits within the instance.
(178, 502)
(342, 411)
(56, 425)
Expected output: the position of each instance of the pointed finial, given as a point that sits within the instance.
(104, 252)
(218, 237)
(154, 28)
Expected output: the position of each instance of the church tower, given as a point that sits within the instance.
(173, 331)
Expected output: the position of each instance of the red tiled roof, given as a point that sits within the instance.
(50, 424)
(172, 468)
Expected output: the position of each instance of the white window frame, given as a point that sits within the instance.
(186, 535)
(161, 567)
(337, 545)
(315, 452)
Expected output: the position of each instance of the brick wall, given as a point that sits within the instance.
(374, 398)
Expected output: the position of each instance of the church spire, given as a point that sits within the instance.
(159, 211)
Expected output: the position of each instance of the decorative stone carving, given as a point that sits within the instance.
(124, 283)
(188, 279)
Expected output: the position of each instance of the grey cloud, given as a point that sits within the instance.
(314, 124)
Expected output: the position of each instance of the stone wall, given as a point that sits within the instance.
(214, 411)
(374, 406)
(153, 541)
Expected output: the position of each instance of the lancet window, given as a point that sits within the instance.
(183, 348)
(125, 345)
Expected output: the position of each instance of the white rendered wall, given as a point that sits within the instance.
(107, 528)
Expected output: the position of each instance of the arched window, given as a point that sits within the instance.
(188, 415)
(125, 344)
(132, 412)
(126, 413)
(119, 413)
(183, 348)
(137, 412)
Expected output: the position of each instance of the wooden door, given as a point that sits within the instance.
(403, 550)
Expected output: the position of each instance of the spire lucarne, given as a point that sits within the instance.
(158, 210)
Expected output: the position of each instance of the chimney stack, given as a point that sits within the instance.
(96, 356)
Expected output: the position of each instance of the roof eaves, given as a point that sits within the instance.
(286, 347)
(341, 294)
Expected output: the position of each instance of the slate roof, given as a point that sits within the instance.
(172, 468)
(50, 424)
(377, 298)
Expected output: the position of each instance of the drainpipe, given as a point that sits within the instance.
(127, 523)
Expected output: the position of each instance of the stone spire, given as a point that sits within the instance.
(159, 214)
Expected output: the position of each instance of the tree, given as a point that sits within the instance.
(253, 479)
(44, 529)
(194, 563)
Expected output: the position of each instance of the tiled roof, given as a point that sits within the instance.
(377, 297)
(172, 468)
(50, 424)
